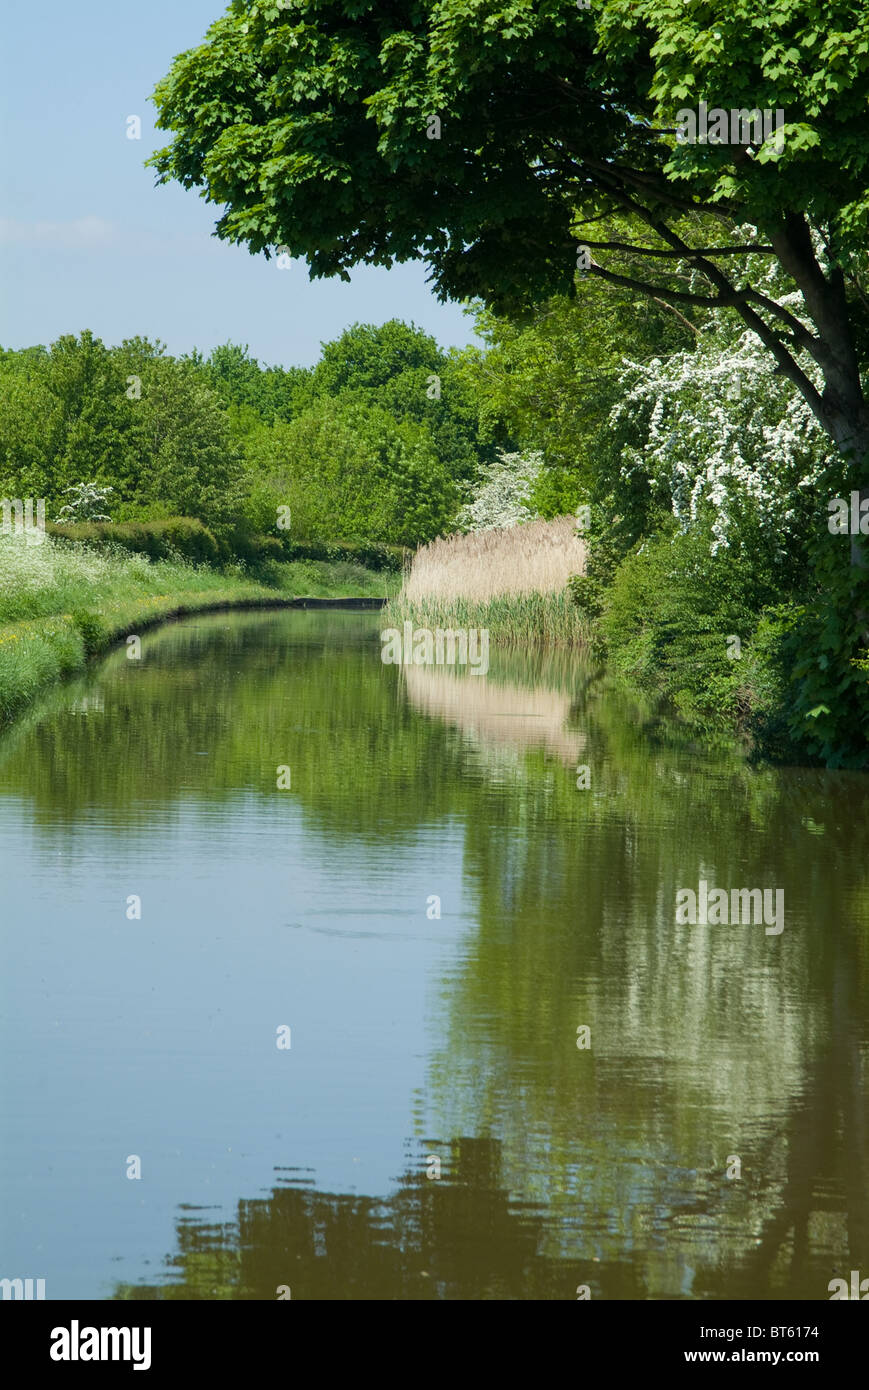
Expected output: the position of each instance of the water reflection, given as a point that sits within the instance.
(498, 714)
(460, 1237)
(606, 1167)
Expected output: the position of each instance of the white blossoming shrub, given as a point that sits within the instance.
(725, 438)
(85, 503)
(723, 480)
(502, 493)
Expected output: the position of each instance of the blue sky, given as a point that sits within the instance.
(88, 241)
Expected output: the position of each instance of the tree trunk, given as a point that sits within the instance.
(843, 410)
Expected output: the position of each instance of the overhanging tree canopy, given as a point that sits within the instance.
(309, 122)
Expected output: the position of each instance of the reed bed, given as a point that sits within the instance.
(537, 558)
(512, 582)
(512, 620)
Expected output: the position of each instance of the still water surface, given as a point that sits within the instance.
(419, 1043)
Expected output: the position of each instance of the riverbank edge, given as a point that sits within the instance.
(555, 622)
(527, 620)
(69, 642)
(358, 603)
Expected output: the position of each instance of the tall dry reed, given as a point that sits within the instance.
(511, 581)
(537, 558)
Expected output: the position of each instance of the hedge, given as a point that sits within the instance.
(182, 535)
(372, 555)
(187, 536)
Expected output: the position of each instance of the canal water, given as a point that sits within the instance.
(324, 978)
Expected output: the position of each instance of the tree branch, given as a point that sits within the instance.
(728, 295)
(651, 184)
(676, 296)
(671, 308)
(690, 254)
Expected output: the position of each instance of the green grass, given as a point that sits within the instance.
(548, 620)
(61, 602)
(341, 579)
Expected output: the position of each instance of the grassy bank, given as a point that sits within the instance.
(775, 660)
(61, 603)
(512, 582)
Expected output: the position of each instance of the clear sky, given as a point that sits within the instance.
(88, 241)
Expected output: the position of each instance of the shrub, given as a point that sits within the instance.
(371, 555)
(85, 501)
(502, 493)
(800, 688)
(93, 630)
(179, 535)
(824, 651)
(666, 620)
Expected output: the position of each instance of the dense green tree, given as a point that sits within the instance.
(31, 433)
(363, 446)
(551, 379)
(180, 447)
(64, 418)
(404, 371)
(129, 417)
(349, 471)
(369, 357)
(488, 138)
(249, 389)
